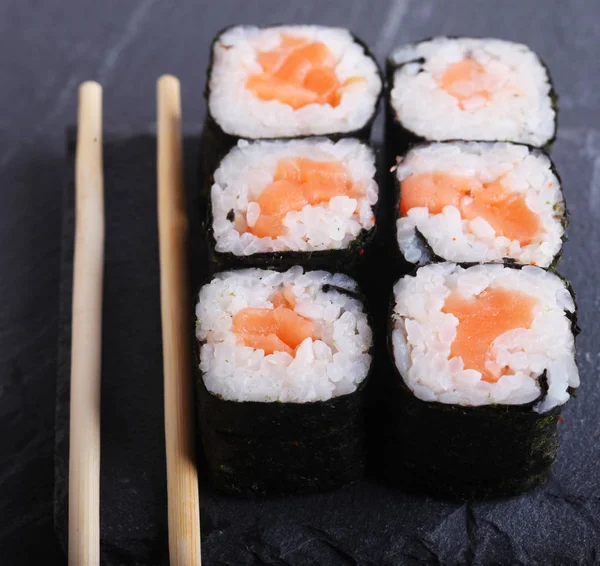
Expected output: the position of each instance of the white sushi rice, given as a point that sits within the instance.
(328, 367)
(423, 334)
(453, 238)
(239, 112)
(248, 168)
(520, 109)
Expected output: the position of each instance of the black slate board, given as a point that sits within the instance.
(367, 524)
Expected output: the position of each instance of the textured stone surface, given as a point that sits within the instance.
(46, 49)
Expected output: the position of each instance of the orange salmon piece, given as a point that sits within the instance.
(290, 41)
(255, 321)
(293, 328)
(268, 226)
(280, 197)
(318, 54)
(278, 299)
(298, 72)
(332, 172)
(288, 170)
(294, 70)
(273, 330)
(271, 61)
(322, 80)
(464, 80)
(284, 297)
(298, 182)
(434, 191)
(484, 318)
(270, 343)
(507, 213)
(290, 296)
(300, 61)
(318, 193)
(270, 88)
(509, 217)
(494, 192)
(323, 180)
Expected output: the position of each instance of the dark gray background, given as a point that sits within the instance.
(48, 47)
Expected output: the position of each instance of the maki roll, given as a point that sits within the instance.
(479, 202)
(484, 358)
(283, 360)
(309, 201)
(469, 89)
(288, 81)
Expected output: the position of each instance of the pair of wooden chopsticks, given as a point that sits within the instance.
(84, 449)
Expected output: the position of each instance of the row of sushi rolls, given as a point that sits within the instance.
(396, 311)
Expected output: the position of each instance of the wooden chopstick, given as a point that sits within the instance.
(182, 475)
(86, 341)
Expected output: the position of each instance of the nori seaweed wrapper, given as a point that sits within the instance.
(429, 256)
(350, 260)
(466, 452)
(400, 139)
(273, 448)
(215, 142)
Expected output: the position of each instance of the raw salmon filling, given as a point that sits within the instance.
(299, 182)
(301, 195)
(290, 81)
(299, 72)
(507, 213)
(478, 201)
(291, 337)
(485, 335)
(481, 320)
(278, 329)
(468, 82)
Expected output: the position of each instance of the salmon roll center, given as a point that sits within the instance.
(507, 213)
(481, 320)
(467, 80)
(279, 329)
(298, 182)
(299, 72)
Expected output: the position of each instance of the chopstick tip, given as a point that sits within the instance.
(90, 86)
(168, 79)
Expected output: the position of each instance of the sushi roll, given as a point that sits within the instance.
(479, 202)
(468, 89)
(287, 82)
(309, 201)
(283, 360)
(484, 360)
